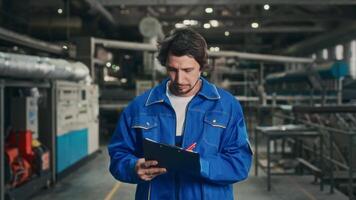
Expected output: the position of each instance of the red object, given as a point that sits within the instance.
(20, 167)
(22, 140)
(12, 153)
(19, 150)
(191, 147)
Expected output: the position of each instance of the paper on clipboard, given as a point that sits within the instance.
(171, 157)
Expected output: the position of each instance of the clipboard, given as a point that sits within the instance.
(172, 157)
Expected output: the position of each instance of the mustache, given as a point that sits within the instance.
(177, 84)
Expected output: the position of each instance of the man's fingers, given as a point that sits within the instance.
(155, 171)
(147, 171)
(150, 163)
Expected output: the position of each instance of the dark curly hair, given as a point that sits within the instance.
(184, 41)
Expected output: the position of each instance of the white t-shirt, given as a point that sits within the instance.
(179, 105)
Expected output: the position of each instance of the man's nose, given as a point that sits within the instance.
(179, 77)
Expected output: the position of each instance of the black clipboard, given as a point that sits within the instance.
(171, 157)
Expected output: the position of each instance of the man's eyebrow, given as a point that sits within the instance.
(182, 68)
(188, 67)
(169, 67)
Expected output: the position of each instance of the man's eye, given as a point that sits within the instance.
(188, 70)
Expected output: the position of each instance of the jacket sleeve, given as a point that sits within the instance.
(122, 152)
(233, 162)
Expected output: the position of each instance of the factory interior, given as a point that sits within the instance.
(68, 68)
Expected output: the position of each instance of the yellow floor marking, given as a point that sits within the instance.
(113, 191)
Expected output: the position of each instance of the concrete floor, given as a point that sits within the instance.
(92, 181)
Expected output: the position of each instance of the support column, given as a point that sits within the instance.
(2, 144)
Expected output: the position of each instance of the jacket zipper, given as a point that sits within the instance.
(185, 119)
(183, 134)
(149, 191)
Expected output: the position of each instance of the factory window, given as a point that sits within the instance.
(339, 52)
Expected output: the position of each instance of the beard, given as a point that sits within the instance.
(180, 89)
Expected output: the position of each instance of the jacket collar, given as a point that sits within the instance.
(208, 90)
(158, 93)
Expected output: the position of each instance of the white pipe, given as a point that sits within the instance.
(246, 56)
(261, 57)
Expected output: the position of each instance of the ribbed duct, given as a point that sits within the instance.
(34, 67)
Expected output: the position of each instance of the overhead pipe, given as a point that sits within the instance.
(115, 44)
(35, 67)
(261, 57)
(27, 41)
(57, 23)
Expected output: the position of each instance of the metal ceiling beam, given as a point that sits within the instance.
(102, 11)
(134, 19)
(267, 18)
(286, 29)
(330, 39)
(27, 41)
(222, 2)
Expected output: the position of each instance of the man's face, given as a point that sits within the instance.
(184, 72)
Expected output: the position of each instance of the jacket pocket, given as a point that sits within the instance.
(215, 123)
(146, 125)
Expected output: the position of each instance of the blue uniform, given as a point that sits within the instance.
(214, 120)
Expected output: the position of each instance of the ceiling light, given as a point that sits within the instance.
(186, 22)
(207, 25)
(215, 49)
(266, 7)
(214, 23)
(255, 25)
(193, 22)
(60, 11)
(179, 25)
(108, 64)
(209, 10)
(227, 33)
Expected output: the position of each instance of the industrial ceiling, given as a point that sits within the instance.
(289, 27)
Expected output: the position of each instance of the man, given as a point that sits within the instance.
(184, 109)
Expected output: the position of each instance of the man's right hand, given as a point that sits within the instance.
(147, 170)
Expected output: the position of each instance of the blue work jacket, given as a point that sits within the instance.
(214, 120)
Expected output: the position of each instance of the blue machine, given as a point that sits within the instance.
(335, 71)
(299, 83)
(71, 147)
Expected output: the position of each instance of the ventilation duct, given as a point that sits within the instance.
(34, 67)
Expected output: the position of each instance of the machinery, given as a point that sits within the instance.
(321, 77)
(77, 132)
(317, 83)
(25, 158)
(25, 155)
